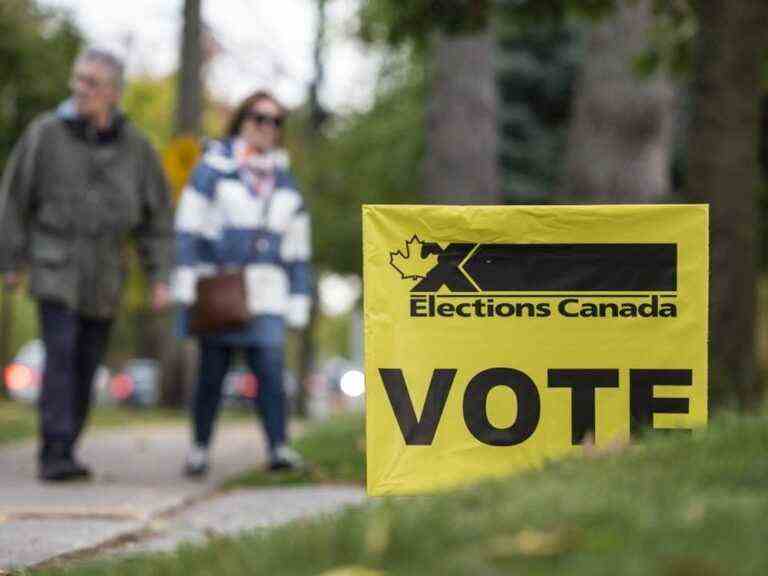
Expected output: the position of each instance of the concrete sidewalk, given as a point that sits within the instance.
(138, 500)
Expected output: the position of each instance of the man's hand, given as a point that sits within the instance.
(161, 296)
(12, 280)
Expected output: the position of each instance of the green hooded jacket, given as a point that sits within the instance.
(71, 200)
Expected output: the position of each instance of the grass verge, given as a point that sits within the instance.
(672, 506)
(334, 451)
(19, 421)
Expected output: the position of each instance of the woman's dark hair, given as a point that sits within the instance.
(238, 116)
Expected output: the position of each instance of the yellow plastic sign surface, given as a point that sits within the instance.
(497, 338)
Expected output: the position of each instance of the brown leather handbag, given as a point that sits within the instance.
(221, 304)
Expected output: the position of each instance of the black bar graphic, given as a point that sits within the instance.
(577, 267)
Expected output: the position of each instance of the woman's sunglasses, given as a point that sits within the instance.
(264, 119)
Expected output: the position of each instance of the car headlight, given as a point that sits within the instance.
(352, 383)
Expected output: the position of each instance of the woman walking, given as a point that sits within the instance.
(241, 211)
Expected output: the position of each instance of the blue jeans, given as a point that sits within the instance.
(266, 363)
(74, 347)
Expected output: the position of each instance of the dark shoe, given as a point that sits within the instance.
(61, 470)
(285, 458)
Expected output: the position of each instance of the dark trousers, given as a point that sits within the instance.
(266, 363)
(74, 347)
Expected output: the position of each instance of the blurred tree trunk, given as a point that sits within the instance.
(723, 171)
(307, 355)
(307, 351)
(317, 113)
(6, 334)
(620, 138)
(177, 357)
(461, 162)
(190, 90)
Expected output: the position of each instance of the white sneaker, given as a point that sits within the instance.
(197, 462)
(286, 458)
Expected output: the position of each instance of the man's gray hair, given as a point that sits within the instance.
(108, 59)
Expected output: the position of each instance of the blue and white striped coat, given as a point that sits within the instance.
(220, 223)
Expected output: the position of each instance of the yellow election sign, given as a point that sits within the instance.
(499, 337)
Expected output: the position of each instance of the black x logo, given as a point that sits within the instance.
(447, 271)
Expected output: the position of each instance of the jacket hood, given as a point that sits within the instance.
(83, 129)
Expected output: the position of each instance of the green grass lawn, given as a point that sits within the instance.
(19, 421)
(335, 452)
(672, 506)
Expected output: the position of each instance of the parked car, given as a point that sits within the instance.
(338, 386)
(23, 376)
(344, 376)
(137, 384)
(241, 387)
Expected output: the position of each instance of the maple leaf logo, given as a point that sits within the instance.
(409, 263)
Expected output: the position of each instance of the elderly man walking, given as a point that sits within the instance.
(81, 183)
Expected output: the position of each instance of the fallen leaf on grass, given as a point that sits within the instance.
(529, 542)
(318, 474)
(695, 512)
(592, 451)
(352, 571)
(692, 567)
(377, 535)
(158, 525)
